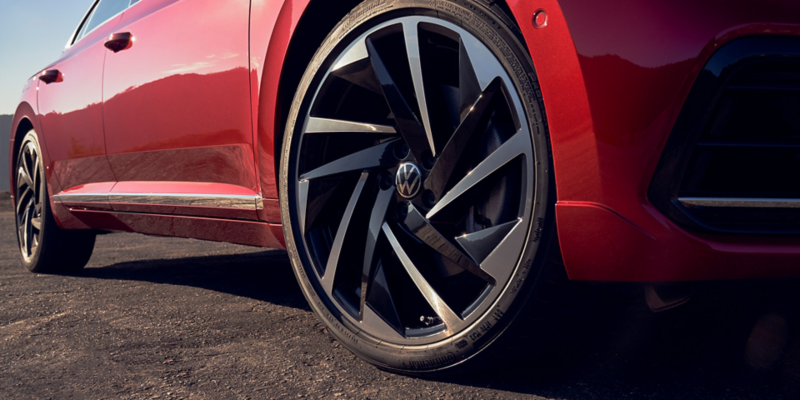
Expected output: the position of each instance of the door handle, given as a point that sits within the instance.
(120, 41)
(51, 76)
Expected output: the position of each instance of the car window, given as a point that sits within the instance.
(82, 28)
(103, 12)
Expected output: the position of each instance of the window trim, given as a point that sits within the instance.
(74, 39)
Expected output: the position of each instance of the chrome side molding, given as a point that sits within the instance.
(81, 198)
(721, 202)
(240, 202)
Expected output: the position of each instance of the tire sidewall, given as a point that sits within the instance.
(505, 43)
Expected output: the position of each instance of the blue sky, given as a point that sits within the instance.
(32, 34)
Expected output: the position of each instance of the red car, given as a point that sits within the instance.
(427, 164)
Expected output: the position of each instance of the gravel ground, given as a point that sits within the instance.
(171, 318)
(5, 201)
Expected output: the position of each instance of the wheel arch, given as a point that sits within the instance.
(566, 103)
(23, 122)
(319, 19)
(298, 27)
(283, 36)
(293, 42)
(26, 119)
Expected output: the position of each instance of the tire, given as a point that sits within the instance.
(44, 246)
(439, 205)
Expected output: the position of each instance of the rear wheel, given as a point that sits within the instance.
(45, 247)
(416, 188)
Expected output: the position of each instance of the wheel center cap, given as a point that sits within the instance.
(408, 180)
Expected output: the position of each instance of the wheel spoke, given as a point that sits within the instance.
(504, 258)
(407, 123)
(312, 203)
(451, 319)
(29, 229)
(464, 141)
(336, 248)
(36, 178)
(411, 33)
(376, 220)
(21, 200)
(302, 201)
(25, 164)
(486, 70)
(325, 125)
(21, 232)
(354, 67)
(36, 222)
(373, 157)
(23, 178)
(480, 244)
(507, 152)
(34, 161)
(380, 313)
(375, 324)
(424, 231)
(355, 53)
(468, 86)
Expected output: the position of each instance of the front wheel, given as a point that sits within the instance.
(44, 246)
(416, 186)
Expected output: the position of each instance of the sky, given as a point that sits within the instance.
(33, 34)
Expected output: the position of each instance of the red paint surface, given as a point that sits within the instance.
(27, 112)
(71, 112)
(177, 103)
(249, 233)
(273, 27)
(613, 75)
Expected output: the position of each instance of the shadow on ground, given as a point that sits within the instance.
(265, 276)
(732, 340)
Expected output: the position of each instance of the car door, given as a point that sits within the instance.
(71, 110)
(177, 110)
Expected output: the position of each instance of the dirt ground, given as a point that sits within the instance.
(5, 202)
(171, 318)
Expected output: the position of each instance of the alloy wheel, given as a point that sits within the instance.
(413, 181)
(30, 200)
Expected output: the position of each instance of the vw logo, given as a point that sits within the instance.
(408, 180)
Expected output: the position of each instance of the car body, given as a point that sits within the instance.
(180, 133)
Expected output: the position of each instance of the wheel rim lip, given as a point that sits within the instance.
(492, 294)
(29, 211)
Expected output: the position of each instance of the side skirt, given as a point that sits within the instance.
(169, 198)
(206, 211)
(250, 233)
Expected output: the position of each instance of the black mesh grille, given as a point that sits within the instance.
(738, 137)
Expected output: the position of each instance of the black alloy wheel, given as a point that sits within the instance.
(30, 198)
(416, 188)
(44, 246)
